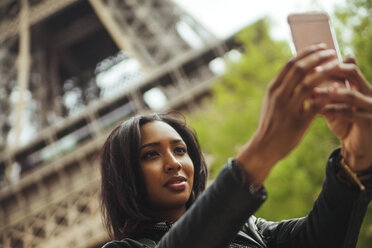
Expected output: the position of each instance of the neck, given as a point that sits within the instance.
(171, 215)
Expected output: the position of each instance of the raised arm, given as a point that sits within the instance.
(337, 215)
(286, 112)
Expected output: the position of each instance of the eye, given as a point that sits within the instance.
(149, 155)
(180, 150)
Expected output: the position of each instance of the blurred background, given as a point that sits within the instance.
(71, 70)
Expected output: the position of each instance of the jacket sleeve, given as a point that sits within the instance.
(217, 216)
(334, 220)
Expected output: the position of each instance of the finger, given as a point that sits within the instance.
(353, 98)
(341, 112)
(352, 73)
(346, 113)
(318, 77)
(350, 60)
(293, 60)
(301, 68)
(363, 116)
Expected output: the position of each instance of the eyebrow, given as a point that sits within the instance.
(158, 143)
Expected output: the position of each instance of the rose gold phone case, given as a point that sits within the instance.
(312, 28)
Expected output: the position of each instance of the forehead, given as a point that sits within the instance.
(156, 131)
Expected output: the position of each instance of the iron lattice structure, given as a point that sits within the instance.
(49, 187)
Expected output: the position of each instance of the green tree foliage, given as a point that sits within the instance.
(229, 119)
(356, 19)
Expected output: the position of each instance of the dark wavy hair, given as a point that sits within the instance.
(123, 193)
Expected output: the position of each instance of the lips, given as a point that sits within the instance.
(176, 183)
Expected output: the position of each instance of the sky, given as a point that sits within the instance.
(225, 17)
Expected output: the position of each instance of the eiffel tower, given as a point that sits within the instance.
(71, 70)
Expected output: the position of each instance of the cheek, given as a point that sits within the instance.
(189, 169)
(151, 175)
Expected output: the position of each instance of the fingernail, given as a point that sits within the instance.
(321, 90)
(331, 64)
(319, 69)
(328, 52)
(322, 45)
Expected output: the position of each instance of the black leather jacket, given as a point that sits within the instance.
(223, 217)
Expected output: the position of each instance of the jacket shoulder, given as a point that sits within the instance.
(129, 243)
(116, 244)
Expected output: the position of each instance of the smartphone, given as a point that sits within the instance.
(313, 28)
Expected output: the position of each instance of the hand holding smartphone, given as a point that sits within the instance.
(313, 28)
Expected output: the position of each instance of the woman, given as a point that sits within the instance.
(153, 172)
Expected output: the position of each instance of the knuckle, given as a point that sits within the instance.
(291, 61)
(353, 69)
(300, 67)
(271, 90)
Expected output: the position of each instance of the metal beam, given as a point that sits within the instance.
(114, 30)
(38, 12)
(24, 60)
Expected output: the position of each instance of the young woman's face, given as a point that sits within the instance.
(166, 165)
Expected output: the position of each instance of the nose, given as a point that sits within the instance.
(172, 164)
